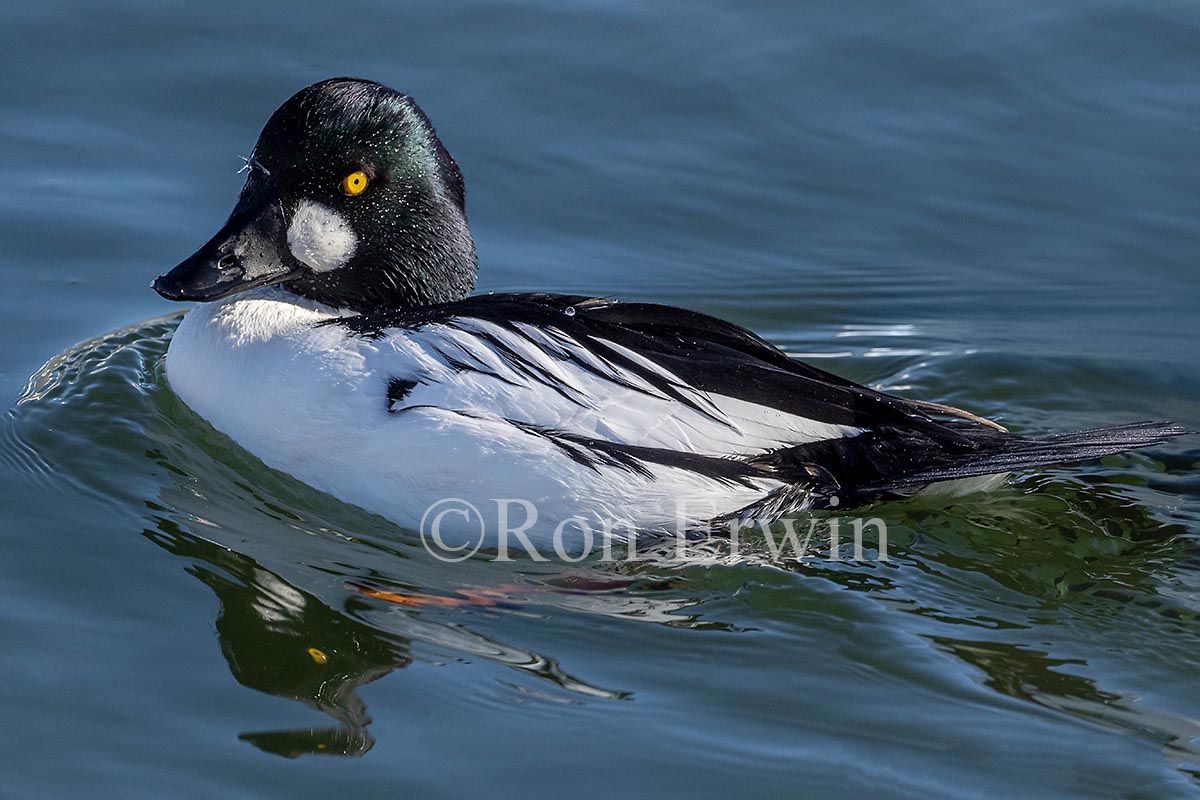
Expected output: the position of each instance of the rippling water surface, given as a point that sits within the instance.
(995, 207)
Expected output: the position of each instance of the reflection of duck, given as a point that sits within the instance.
(363, 371)
(281, 640)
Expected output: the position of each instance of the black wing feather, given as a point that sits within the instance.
(707, 353)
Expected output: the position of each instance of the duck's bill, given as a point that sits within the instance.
(248, 252)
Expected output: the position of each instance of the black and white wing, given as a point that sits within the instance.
(629, 373)
(631, 384)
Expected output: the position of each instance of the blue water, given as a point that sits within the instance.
(995, 206)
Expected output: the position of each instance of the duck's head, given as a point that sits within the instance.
(350, 199)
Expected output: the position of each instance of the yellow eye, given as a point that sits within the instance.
(355, 182)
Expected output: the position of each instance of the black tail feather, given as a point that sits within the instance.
(895, 459)
(1011, 453)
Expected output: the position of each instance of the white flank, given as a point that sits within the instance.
(312, 401)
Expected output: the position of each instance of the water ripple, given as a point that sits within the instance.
(332, 597)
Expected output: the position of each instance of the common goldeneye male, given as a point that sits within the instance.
(336, 342)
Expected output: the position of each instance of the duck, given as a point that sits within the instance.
(335, 338)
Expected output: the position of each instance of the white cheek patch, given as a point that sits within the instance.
(321, 237)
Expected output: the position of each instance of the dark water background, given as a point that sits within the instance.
(993, 205)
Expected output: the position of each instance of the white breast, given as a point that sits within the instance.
(312, 401)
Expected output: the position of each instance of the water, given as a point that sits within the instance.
(996, 207)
